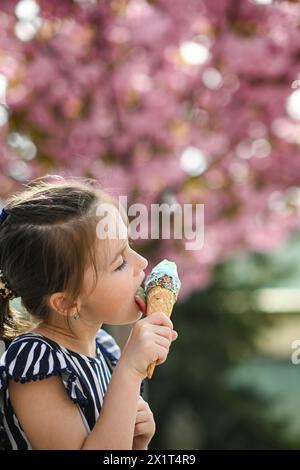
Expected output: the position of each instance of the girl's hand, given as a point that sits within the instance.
(144, 428)
(149, 341)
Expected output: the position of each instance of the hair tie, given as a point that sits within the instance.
(5, 291)
(4, 214)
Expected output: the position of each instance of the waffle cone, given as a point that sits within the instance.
(159, 299)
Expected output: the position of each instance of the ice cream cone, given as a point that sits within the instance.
(159, 299)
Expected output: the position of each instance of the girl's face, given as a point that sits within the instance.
(112, 301)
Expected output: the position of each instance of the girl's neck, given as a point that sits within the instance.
(80, 339)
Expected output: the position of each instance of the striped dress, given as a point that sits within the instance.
(32, 356)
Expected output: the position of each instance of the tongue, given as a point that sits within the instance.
(140, 303)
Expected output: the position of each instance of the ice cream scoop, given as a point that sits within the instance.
(161, 289)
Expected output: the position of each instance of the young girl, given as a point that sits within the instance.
(71, 282)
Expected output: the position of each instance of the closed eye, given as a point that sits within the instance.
(122, 266)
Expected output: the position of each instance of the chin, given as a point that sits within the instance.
(131, 321)
(131, 318)
(134, 316)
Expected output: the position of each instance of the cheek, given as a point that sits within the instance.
(122, 287)
(116, 292)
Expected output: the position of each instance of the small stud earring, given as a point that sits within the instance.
(77, 314)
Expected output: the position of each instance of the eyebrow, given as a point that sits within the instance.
(119, 252)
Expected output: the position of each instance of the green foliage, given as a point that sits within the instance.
(195, 403)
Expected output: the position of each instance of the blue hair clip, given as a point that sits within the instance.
(4, 214)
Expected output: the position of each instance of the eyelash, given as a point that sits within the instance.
(122, 266)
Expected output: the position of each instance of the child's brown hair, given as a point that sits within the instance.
(46, 242)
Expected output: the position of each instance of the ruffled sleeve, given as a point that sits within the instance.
(31, 358)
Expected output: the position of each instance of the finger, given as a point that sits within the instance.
(143, 418)
(171, 335)
(141, 403)
(161, 356)
(162, 331)
(161, 341)
(159, 318)
(141, 412)
(143, 415)
(141, 429)
(143, 406)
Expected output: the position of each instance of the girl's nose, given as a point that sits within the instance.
(145, 262)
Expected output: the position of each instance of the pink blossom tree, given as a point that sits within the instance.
(161, 100)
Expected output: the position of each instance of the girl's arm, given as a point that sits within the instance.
(51, 420)
(114, 428)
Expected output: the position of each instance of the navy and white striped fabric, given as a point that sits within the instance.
(32, 356)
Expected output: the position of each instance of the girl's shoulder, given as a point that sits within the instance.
(30, 357)
(34, 357)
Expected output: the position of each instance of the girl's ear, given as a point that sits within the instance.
(59, 303)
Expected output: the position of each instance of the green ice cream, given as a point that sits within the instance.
(164, 274)
(141, 293)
